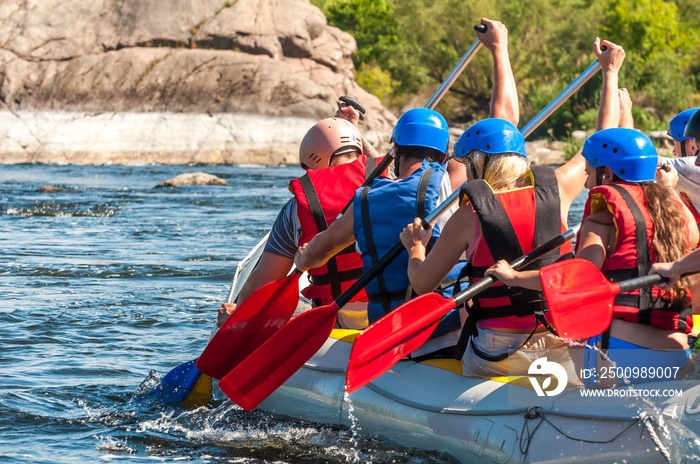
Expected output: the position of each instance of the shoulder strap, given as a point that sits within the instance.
(547, 202)
(496, 228)
(423, 192)
(321, 224)
(642, 243)
(372, 247)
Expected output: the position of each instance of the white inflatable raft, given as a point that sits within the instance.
(431, 406)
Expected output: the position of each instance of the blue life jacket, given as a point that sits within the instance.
(380, 214)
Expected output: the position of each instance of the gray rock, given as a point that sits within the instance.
(193, 178)
(269, 58)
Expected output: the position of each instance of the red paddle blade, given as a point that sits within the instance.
(579, 298)
(387, 341)
(268, 367)
(251, 324)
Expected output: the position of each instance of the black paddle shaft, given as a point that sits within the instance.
(638, 282)
(392, 254)
(516, 264)
(645, 281)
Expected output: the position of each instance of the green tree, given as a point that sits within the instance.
(659, 49)
(379, 47)
(407, 47)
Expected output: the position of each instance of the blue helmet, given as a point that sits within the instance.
(628, 152)
(676, 128)
(422, 127)
(692, 129)
(492, 136)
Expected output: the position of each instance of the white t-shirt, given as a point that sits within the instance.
(688, 178)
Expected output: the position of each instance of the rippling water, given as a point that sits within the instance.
(109, 278)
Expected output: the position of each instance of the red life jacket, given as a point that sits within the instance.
(321, 196)
(513, 223)
(633, 256)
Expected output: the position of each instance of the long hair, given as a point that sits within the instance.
(669, 240)
(504, 171)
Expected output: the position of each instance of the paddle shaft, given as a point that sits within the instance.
(388, 343)
(432, 101)
(392, 254)
(560, 99)
(516, 264)
(638, 282)
(644, 281)
(526, 130)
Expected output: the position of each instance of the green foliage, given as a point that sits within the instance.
(376, 30)
(659, 48)
(409, 46)
(375, 80)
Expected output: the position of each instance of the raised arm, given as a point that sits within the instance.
(572, 175)
(626, 119)
(504, 99)
(610, 56)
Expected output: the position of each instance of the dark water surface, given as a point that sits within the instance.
(110, 278)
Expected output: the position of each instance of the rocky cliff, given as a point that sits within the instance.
(171, 81)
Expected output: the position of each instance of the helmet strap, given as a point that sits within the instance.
(684, 153)
(474, 169)
(599, 175)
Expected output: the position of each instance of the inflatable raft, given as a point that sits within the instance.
(431, 406)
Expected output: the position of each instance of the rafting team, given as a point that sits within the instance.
(641, 217)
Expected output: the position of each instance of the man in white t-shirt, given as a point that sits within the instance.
(682, 174)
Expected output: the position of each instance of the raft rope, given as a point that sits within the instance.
(537, 412)
(648, 422)
(526, 435)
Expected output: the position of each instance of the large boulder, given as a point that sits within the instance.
(272, 58)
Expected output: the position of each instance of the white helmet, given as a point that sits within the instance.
(328, 137)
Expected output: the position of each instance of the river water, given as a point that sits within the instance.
(110, 278)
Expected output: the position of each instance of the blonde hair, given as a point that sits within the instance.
(503, 171)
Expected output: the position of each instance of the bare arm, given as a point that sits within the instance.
(270, 267)
(597, 238)
(611, 61)
(571, 177)
(326, 244)
(504, 99)
(512, 278)
(369, 150)
(626, 119)
(426, 273)
(689, 263)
